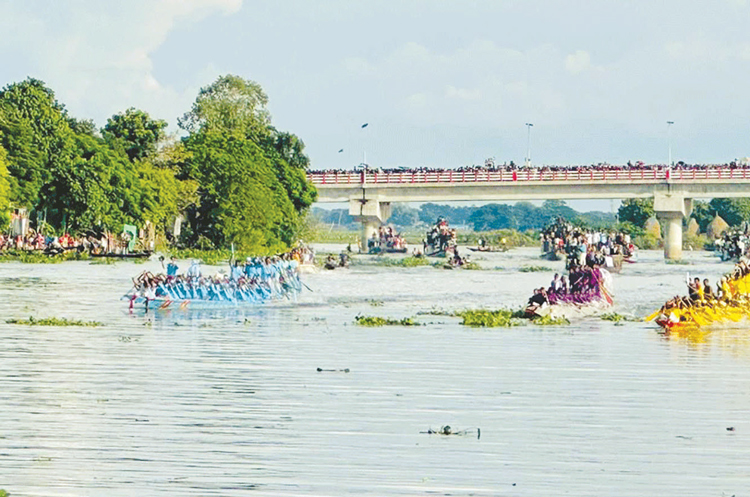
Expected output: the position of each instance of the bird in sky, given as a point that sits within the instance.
(341, 150)
(365, 125)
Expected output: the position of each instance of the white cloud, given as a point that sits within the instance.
(462, 93)
(578, 62)
(98, 58)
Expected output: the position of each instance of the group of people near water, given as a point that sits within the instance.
(733, 244)
(585, 247)
(35, 241)
(440, 238)
(583, 285)
(386, 239)
(258, 279)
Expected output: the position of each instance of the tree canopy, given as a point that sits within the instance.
(238, 179)
(139, 133)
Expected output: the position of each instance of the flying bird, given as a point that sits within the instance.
(365, 125)
(341, 150)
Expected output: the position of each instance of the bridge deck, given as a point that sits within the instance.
(333, 179)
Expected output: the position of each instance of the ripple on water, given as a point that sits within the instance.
(231, 402)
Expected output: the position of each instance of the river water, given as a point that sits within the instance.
(231, 403)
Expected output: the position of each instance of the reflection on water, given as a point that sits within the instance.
(231, 402)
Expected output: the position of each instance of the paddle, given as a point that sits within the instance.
(651, 317)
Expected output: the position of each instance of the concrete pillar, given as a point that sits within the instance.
(369, 227)
(671, 208)
(371, 213)
(672, 222)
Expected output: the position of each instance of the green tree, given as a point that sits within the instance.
(230, 103)
(636, 211)
(139, 132)
(4, 190)
(37, 136)
(703, 214)
(403, 215)
(493, 217)
(241, 199)
(734, 211)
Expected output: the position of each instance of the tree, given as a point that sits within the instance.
(703, 213)
(4, 190)
(140, 133)
(636, 211)
(734, 211)
(403, 215)
(232, 104)
(37, 136)
(494, 217)
(242, 201)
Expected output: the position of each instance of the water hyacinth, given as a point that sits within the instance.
(53, 322)
(373, 321)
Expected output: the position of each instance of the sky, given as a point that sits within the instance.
(441, 83)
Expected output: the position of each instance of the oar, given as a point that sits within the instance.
(651, 317)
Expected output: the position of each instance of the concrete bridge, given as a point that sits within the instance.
(370, 193)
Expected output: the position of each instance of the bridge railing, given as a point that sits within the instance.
(531, 175)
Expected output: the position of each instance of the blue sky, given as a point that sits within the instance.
(442, 83)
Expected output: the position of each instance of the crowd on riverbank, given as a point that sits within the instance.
(491, 166)
(584, 247)
(52, 245)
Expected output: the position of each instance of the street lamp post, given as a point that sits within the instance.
(528, 143)
(669, 141)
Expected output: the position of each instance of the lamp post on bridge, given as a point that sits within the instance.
(528, 143)
(669, 141)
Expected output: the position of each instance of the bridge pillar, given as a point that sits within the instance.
(371, 213)
(671, 208)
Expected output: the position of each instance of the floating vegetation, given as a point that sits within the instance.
(410, 261)
(549, 321)
(473, 266)
(504, 318)
(679, 262)
(375, 303)
(3, 493)
(437, 312)
(53, 322)
(534, 269)
(617, 318)
(378, 321)
(491, 319)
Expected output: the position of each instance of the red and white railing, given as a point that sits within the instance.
(572, 175)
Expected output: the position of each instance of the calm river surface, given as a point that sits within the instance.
(230, 403)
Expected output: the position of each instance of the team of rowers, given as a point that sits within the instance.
(584, 285)
(705, 305)
(258, 279)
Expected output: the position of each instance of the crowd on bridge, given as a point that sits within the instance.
(491, 166)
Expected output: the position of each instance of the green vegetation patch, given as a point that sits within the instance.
(490, 319)
(41, 258)
(534, 269)
(32, 321)
(403, 262)
(378, 321)
(504, 318)
(617, 318)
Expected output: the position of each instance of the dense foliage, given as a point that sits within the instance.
(235, 177)
(521, 216)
